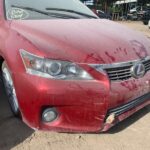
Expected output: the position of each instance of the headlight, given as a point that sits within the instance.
(53, 69)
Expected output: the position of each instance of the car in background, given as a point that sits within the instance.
(66, 70)
(135, 9)
(103, 15)
(132, 16)
(146, 17)
(137, 13)
(138, 9)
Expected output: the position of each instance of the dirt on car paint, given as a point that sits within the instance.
(131, 134)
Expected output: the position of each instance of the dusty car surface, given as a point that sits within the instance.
(68, 71)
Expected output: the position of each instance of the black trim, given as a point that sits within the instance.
(128, 106)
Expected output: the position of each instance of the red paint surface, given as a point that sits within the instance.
(82, 105)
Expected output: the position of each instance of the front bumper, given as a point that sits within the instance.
(82, 105)
(120, 113)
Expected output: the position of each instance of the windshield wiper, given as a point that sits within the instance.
(57, 15)
(72, 11)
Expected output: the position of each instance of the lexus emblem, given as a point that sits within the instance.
(138, 70)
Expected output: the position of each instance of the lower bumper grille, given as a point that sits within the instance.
(124, 108)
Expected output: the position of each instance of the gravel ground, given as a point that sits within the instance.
(138, 26)
(131, 134)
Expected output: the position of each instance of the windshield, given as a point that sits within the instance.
(46, 9)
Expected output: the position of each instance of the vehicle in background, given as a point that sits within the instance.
(137, 13)
(132, 16)
(135, 9)
(138, 9)
(102, 14)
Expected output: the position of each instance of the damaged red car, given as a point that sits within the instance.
(66, 70)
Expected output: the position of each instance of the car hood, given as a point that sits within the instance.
(84, 40)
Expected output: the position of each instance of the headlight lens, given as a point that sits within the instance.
(53, 69)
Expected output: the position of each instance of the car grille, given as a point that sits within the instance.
(119, 73)
(122, 71)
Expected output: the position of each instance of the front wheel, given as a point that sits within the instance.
(10, 89)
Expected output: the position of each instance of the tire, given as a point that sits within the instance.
(10, 90)
(145, 22)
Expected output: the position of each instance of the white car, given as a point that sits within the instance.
(135, 9)
(138, 9)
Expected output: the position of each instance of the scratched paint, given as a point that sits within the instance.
(82, 104)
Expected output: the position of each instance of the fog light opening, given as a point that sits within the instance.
(49, 115)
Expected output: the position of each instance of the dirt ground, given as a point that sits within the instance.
(131, 134)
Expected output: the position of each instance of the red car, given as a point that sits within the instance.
(68, 71)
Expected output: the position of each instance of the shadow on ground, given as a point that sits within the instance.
(12, 130)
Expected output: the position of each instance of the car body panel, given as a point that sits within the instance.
(82, 105)
(66, 36)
